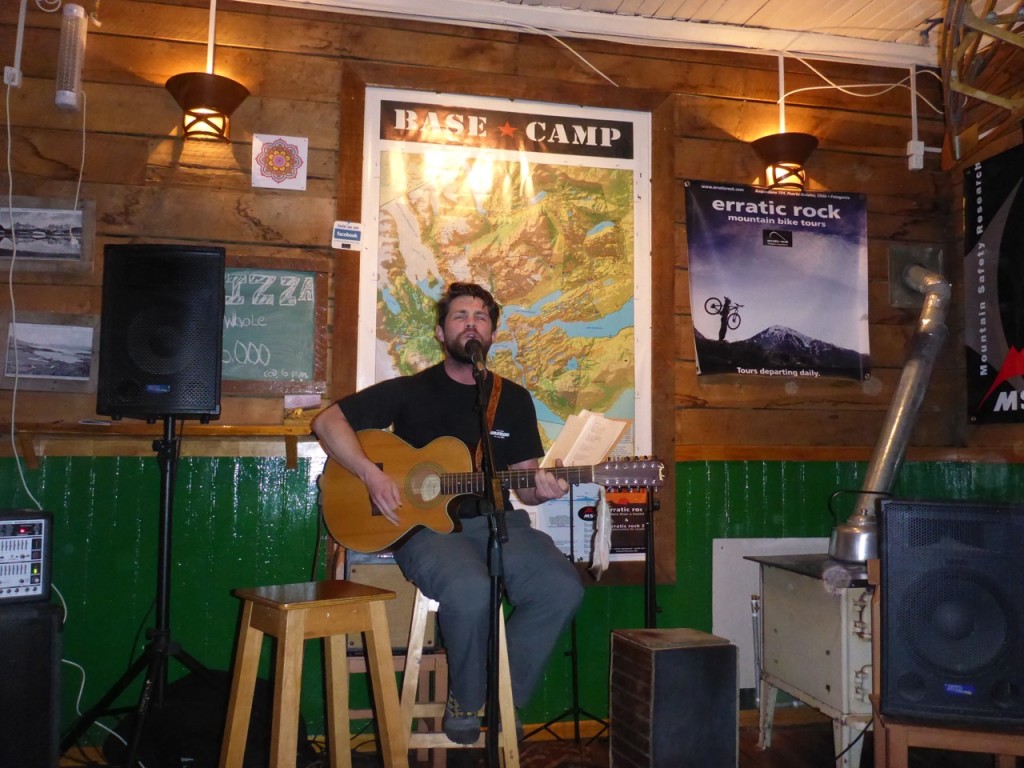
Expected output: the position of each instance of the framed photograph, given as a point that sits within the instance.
(47, 235)
(49, 352)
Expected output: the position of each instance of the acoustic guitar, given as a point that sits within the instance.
(431, 478)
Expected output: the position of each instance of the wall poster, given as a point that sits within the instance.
(994, 288)
(778, 281)
(547, 205)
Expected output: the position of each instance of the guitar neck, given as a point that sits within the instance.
(473, 482)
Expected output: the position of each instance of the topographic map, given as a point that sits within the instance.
(546, 205)
(553, 242)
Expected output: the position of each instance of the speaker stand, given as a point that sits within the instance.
(160, 647)
(575, 711)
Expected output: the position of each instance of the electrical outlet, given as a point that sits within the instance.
(915, 155)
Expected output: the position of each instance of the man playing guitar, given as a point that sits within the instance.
(540, 583)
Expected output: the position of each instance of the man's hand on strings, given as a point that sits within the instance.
(546, 485)
(384, 493)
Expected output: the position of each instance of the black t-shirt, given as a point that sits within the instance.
(430, 404)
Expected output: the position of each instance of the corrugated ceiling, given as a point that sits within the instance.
(895, 32)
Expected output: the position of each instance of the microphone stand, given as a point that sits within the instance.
(491, 504)
(650, 576)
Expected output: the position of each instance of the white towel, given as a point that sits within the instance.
(602, 536)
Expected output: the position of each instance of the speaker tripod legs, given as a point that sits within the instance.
(160, 646)
(153, 661)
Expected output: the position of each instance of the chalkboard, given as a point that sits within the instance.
(275, 315)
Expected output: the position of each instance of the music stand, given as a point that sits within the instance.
(573, 653)
(161, 647)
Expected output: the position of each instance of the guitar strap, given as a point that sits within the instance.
(492, 407)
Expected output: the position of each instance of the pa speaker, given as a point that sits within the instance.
(29, 685)
(952, 611)
(161, 329)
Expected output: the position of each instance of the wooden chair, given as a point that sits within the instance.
(294, 613)
(894, 737)
(415, 707)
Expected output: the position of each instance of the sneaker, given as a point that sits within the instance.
(460, 725)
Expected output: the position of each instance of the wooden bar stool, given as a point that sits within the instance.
(413, 707)
(294, 613)
(433, 681)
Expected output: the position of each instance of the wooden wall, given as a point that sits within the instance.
(149, 185)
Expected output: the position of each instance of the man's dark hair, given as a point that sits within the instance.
(455, 290)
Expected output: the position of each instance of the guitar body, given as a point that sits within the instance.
(352, 518)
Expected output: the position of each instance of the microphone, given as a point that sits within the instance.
(475, 350)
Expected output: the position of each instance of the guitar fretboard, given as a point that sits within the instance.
(455, 483)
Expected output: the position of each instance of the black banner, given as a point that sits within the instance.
(994, 288)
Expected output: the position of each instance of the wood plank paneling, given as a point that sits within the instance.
(147, 182)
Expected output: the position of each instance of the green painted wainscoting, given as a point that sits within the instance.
(251, 521)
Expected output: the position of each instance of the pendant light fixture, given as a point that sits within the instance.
(207, 99)
(783, 153)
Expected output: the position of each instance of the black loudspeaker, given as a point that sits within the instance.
(674, 700)
(952, 611)
(29, 685)
(161, 329)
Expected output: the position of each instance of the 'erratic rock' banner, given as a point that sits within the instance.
(778, 281)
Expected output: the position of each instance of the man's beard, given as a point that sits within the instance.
(457, 351)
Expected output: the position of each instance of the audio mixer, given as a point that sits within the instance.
(25, 537)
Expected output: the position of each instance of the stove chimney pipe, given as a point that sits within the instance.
(856, 541)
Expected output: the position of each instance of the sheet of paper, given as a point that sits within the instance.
(586, 439)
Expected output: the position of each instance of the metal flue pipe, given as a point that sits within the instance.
(856, 540)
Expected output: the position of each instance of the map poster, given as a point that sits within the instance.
(548, 206)
(778, 281)
(994, 288)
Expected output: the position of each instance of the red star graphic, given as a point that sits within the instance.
(1013, 365)
(507, 130)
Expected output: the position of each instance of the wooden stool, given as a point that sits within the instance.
(433, 681)
(294, 613)
(413, 706)
(893, 740)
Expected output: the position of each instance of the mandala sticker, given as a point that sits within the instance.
(279, 162)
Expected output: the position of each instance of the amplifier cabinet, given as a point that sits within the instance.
(379, 569)
(29, 685)
(674, 700)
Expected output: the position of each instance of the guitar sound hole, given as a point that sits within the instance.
(423, 484)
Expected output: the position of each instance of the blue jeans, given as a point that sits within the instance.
(540, 583)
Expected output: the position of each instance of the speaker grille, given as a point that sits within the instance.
(161, 331)
(952, 618)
